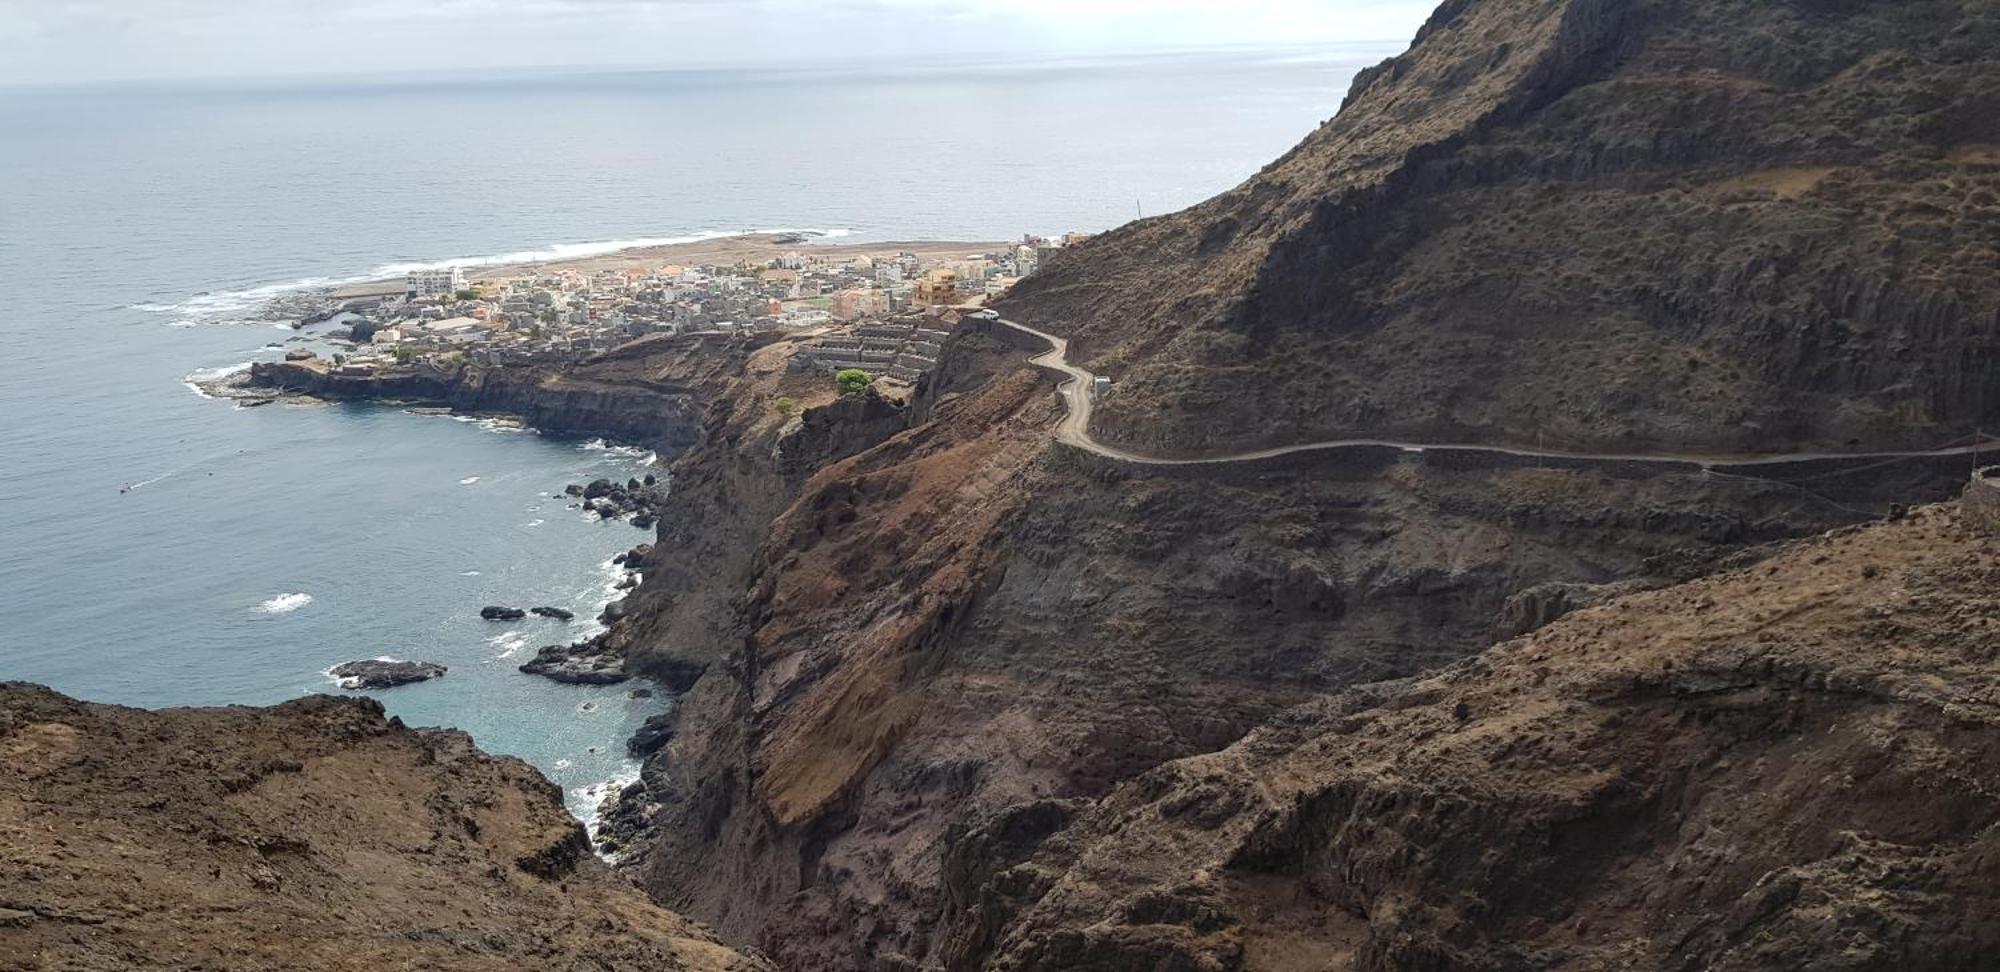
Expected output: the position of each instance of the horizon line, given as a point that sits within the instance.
(859, 64)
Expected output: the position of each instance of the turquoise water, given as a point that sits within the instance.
(141, 229)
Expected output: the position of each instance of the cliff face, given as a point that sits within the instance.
(1755, 226)
(651, 392)
(1787, 766)
(311, 835)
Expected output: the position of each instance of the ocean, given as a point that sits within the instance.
(143, 228)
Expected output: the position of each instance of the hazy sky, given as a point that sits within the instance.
(67, 40)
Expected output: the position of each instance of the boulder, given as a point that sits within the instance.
(598, 487)
(553, 612)
(496, 613)
(376, 673)
(654, 733)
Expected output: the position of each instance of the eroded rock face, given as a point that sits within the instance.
(216, 838)
(1716, 775)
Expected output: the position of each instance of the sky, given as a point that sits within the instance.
(60, 41)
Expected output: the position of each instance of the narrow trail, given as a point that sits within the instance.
(1075, 431)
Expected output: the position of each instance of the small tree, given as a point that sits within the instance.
(852, 381)
(468, 294)
(785, 406)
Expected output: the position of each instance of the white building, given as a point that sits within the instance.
(431, 283)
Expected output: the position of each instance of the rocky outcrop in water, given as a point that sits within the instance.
(584, 663)
(553, 613)
(493, 612)
(377, 673)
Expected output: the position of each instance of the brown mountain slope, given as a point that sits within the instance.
(1698, 224)
(900, 622)
(312, 835)
(1788, 766)
(928, 626)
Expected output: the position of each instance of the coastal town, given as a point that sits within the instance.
(856, 307)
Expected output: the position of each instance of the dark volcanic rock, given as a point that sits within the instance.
(495, 613)
(583, 663)
(554, 612)
(656, 732)
(376, 673)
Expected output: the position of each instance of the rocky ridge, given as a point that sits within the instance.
(316, 834)
(1758, 226)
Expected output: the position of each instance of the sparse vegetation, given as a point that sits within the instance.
(785, 406)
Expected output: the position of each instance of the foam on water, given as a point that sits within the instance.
(594, 797)
(507, 644)
(194, 380)
(469, 480)
(244, 305)
(287, 603)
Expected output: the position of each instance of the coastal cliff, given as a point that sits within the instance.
(957, 696)
(316, 834)
(650, 393)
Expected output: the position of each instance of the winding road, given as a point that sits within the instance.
(1075, 431)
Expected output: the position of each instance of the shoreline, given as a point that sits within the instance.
(722, 249)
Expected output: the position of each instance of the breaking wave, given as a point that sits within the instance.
(237, 306)
(194, 380)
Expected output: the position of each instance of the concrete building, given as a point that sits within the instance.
(433, 283)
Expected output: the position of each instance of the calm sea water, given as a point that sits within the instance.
(142, 227)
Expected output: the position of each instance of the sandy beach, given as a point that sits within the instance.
(751, 247)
